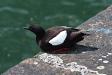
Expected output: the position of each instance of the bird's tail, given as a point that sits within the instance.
(84, 32)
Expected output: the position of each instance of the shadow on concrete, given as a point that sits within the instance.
(81, 48)
(77, 49)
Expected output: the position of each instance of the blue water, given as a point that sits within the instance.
(16, 44)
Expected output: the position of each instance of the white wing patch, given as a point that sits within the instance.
(59, 39)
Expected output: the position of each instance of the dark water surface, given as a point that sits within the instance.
(17, 44)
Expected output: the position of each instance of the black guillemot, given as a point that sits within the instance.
(57, 39)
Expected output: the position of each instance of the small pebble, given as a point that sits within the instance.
(104, 56)
(100, 37)
(105, 61)
(100, 59)
(100, 67)
(83, 52)
(109, 53)
(102, 74)
(35, 63)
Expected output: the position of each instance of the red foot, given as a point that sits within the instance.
(62, 50)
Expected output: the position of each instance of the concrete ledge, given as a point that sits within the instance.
(93, 56)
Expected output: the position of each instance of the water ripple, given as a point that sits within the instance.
(68, 3)
(15, 10)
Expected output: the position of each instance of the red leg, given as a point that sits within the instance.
(62, 50)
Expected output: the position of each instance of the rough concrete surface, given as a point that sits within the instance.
(92, 56)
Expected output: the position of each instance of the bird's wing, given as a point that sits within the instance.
(59, 38)
(55, 35)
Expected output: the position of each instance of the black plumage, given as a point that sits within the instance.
(44, 36)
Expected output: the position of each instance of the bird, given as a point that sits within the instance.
(56, 39)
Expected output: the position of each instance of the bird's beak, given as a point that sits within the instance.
(27, 28)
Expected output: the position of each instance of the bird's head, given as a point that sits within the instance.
(37, 30)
